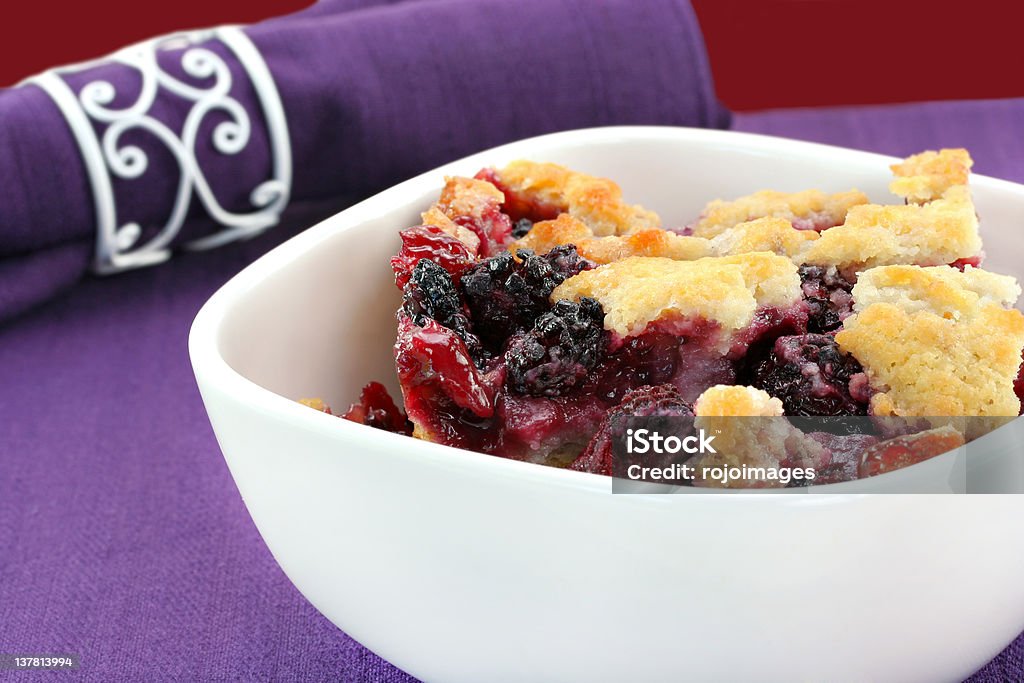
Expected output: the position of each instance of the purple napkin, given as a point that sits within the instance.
(371, 93)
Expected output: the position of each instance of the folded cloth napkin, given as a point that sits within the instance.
(341, 99)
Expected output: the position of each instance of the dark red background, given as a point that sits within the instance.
(764, 53)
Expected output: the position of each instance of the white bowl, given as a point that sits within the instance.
(457, 566)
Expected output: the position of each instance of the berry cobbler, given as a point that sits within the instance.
(538, 305)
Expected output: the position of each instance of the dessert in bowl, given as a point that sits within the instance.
(461, 566)
(540, 309)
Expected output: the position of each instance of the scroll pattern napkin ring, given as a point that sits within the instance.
(118, 245)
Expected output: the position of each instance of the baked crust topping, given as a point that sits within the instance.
(462, 197)
(937, 233)
(597, 202)
(926, 176)
(772, 234)
(538, 308)
(939, 226)
(752, 442)
(637, 291)
(942, 231)
(937, 341)
(809, 209)
(736, 401)
(546, 235)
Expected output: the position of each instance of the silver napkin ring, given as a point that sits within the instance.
(105, 157)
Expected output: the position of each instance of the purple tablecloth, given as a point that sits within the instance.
(122, 536)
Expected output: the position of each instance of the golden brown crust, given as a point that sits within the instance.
(755, 443)
(595, 201)
(948, 291)
(546, 235)
(772, 234)
(736, 401)
(935, 341)
(926, 176)
(939, 226)
(939, 232)
(654, 243)
(811, 206)
(468, 197)
(727, 290)
(462, 197)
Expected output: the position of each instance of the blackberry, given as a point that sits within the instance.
(505, 295)
(811, 376)
(828, 296)
(431, 294)
(498, 298)
(565, 262)
(556, 355)
(521, 228)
